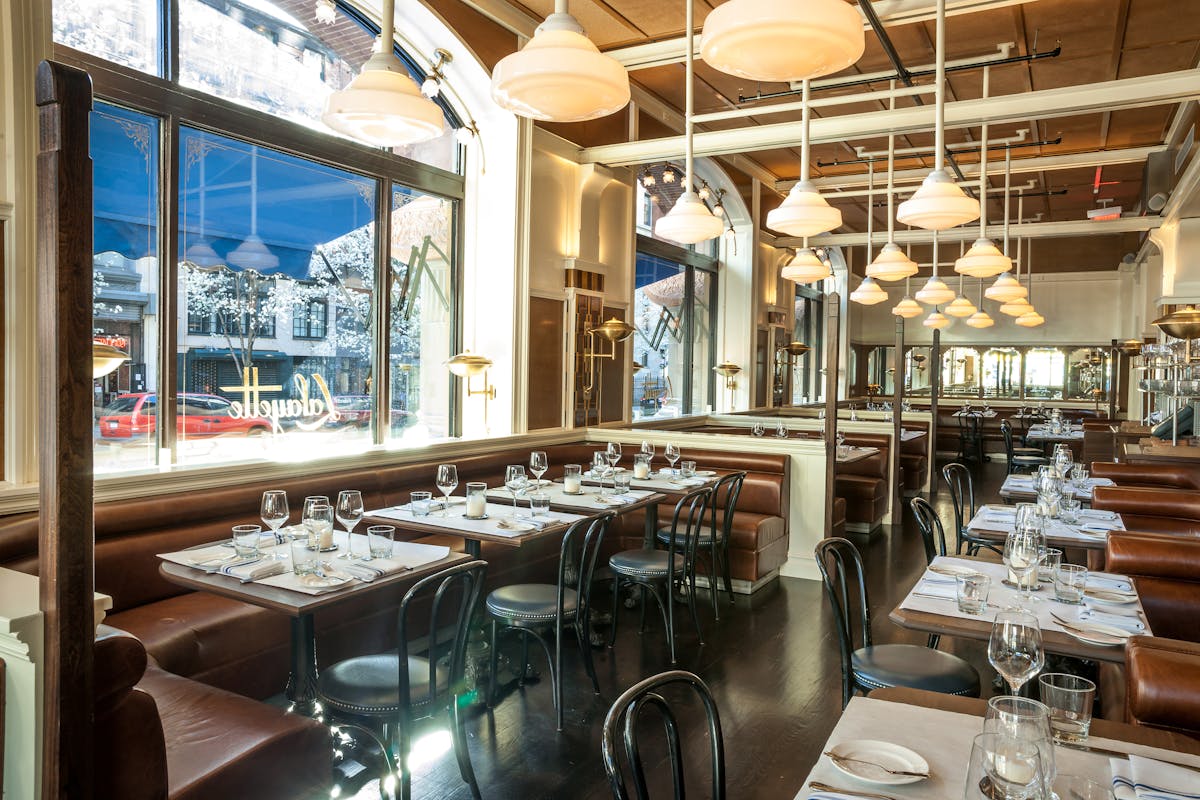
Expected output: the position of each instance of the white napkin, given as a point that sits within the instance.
(688, 482)
(815, 795)
(520, 522)
(1131, 624)
(211, 559)
(1130, 610)
(1099, 527)
(1095, 513)
(368, 571)
(1116, 583)
(947, 591)
(1146, 779)
(256, 569)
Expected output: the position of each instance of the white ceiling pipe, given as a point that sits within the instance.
(822, 102)
(1034, 230)
(964, 147)
(906, 190)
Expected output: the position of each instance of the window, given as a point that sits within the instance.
(1002, 372)
(1045, 373)
(807, 384)
(674, 315)
(275, 252)
(309, 320)
(960, 372)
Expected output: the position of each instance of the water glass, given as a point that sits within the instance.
(1069, 583)
(1003, 767)
(320, 527)
(843, 452)
(572, 479)
(1069, 699)
(972, 592)
(539, 505)
(304, 560)
(757, 429)
(379, 540)
(781, 430)
(621, 483)
(476, 500)
(1068, 510)
(420, 503)
(1048, 564)
(447, 482)
(1027, 720)
(1079, 477)
(245, 540)
(687, 469)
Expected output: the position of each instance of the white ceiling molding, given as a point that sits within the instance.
(1150, 90)
(1027, 230)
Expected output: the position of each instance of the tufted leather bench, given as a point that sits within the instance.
(864, 483)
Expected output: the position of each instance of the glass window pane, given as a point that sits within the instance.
(124, 31)
(276, 287)
(1045, 373)
(125, 152)
(916, 362)
(960, 372)
(1002, 373)
(658, 343)
(421, 309)
(1088, 375)
(702, 319)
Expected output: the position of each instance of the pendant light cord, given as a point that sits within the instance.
(891, 215)
(935, 255)
(870, 208)
(1029, 269)
(688, 99)
(983, 162)
(1007, 192)
(805, 117)
(387, 26)
(939, 158)
(1020, 218)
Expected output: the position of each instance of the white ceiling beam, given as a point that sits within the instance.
(503, 14)
(1151, 90)
(1027, 230)
(1100, 158)
(891, 12)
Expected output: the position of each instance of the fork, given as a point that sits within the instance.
(824, 787)
(901, 772)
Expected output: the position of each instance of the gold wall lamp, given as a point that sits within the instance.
(469, 365)
(1183, 323)
(613, 330)
(106, 358)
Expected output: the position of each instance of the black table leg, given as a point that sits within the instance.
(302, 683)
(651, 527)
(473, 548)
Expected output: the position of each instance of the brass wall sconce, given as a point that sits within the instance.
(729, 371)
(793, 349)
(1130, 347)
(1183, 323)
(106, 358)
(469, 365)
(613, 330)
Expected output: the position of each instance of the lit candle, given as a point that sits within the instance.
(476, 506)
(572, 484)
(641, 470)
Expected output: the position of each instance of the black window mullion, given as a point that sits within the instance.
(169, 55)
(689, 316)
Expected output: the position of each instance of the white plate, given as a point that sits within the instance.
(1109, 597)
(611, 501)
(705, 473)
(885, 753)
(952, 570)
(1096, 633)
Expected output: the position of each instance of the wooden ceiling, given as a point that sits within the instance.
(1101, 40)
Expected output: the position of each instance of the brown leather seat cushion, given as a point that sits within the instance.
(222, 745)
(915, 465)
(1175, 511)
(1162, 476)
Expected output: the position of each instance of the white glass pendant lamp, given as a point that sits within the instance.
(383, 106)
(1031, 318)
(939, 203)
(868, 293)
(782, 40)
(936, 320)
(984, 259)
(960, 306)
(908, 308)
(892, 263)
(806, 267)
(560, 75)
(804, 212)
(689, 221)
(935, 292)
(980, 319)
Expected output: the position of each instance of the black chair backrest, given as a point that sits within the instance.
(962, 497)
(1007, 433)
(686, 523)
(578, 554)
(725, 497)
(930, 524)
(622, 721)
(842, 572)
(455, 595)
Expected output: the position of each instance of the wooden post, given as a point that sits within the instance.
(897, 423)
(1114, 382)
(833, 334)
(935, 388)
(66, 533)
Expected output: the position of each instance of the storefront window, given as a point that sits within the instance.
(1002, 373)
(126, 32)
(960, 372)
(1045, 373)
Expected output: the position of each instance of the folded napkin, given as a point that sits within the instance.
(1099, 527)
(1131, 624)
(254, 569)
(815, 795)
(521, 521)
(211, 559)
(1130, 610)
(1118, 583)
(1095, 513)
(688, 482)
(368, 571)
(1146, 779)
(947, 591)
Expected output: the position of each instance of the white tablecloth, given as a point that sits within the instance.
(1093, 526)
(457, 521)
(589, 501)
(1024, 484)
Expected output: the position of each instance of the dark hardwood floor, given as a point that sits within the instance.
(771, 662)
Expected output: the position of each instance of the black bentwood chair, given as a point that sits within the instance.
(970, 436)
(879, 666)
(933, 536)
(1018, 460)
(962, 497)
(715, 541)
(621, 724)
(384, 696)
(673, 568)
(532, 609)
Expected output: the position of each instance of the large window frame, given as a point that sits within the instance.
(176, 106)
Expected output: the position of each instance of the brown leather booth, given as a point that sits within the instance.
(864, 483)
(1149, 476)
(1162, 684)
(1152, 510)
(1166, 570)
(914, 457)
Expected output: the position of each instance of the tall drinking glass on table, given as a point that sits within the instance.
(447, 482)
(672, 453)
(349, 512)
(1015, 647)
(274, 513)
(538, 464)
(516, 482)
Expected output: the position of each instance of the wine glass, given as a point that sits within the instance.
(311, 502)
(672, 453)
(647, 450)
(757, 429)
(613, 453)
(1015, 647)
(1022, 551)
(1004, 767)
(516, 482)
(1028, 720)
(600, 467)
(538, 465)
(447, 482)
(349, 512)
(274, 513)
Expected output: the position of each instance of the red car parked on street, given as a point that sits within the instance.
(197, 416)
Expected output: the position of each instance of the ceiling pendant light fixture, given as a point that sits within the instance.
(1031, 318)
(689, 221)
(984, 259)
(939, 203)
(935, 291)
(869, 292)
(805, 267)
(891, 264)
(937, 320)
(1007, 288)
(1016, 307)
(908, 308)
(981, 319)
(961, 306)
(383, 106)
(803, 212)
(779, 41)
(560, 75)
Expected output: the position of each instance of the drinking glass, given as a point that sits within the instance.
(419, 503)
(304, 560)
(320, 527)
(516, 482)
(1015, 647)
(1021, 554)
(641, 466)
(447, 482)
(621, 483)
(1077, 468)
(1069, 508)
(572, 479)
(781, 430)
(1079, 477)
(600, 468)
(379, 541)
(1069, 699)
(672, 454)
(647, 450)
(613, 453)
(274, 513)
(1026, 516)
(245, 540)
(1048, 564)
(1027, 720)
(687, 469)
(1069, 583)
(538, 465)
(758, 429)
(349, 512)
(1077, 787)
(306, 516)
(1003, 767)
(539, 505)
(971, 592)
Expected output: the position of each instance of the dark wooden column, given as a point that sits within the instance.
(935, 388)
(833, 335)
(66, 534)
(898, 423)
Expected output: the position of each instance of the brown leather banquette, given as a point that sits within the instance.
(1162, 684)
(863, 483)
(1152, 510)
(1152, 476)
(1166, 569)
